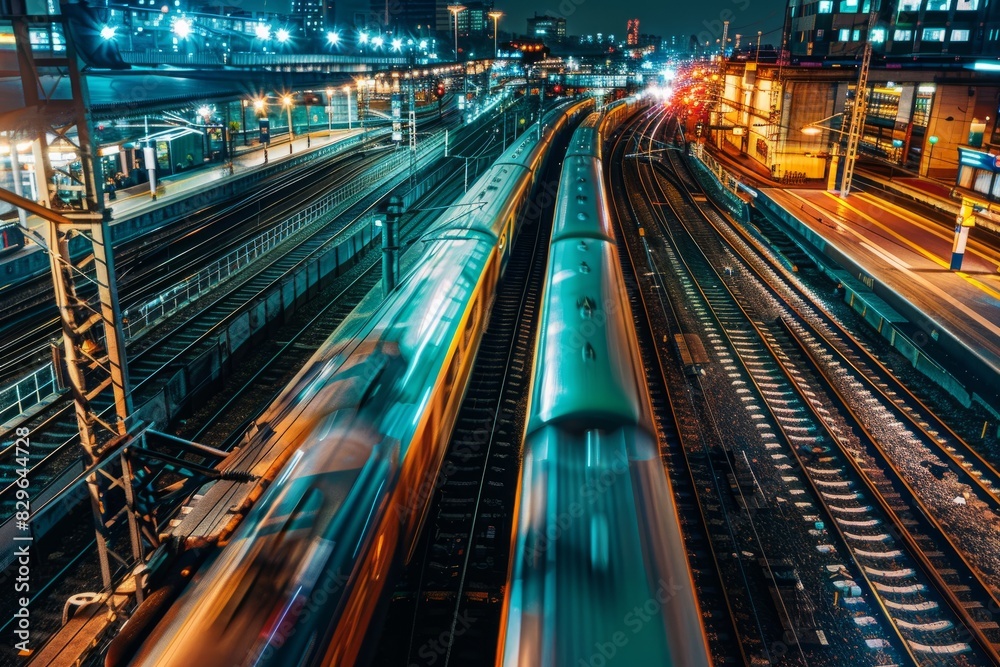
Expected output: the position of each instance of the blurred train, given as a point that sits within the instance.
(369, 419)
(598, 571)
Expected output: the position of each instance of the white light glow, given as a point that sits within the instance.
(182, 27)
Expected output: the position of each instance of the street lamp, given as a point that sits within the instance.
(287, 101)
(108, 33)
(205, 113)
(496, 18)
(347, 91)
(932, 140)
(243, 112)
(815, 128)
(329, 110)
(455, 11)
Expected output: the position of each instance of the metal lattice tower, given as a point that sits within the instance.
(860, 109)
(55, 117)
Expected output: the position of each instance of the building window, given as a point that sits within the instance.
(959, 35)
(857, 35)
(845, 34)
(825, 6)
(967, 5)
(848, 6)
(819, 34)
(922, 107)
(933, 35)
(938, 5)
(878, 35)
(909, 5)
(902, 35)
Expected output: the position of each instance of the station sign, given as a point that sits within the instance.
(264, 124)
(979, 160)
(397, 117)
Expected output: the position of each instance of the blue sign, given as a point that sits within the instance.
(265, 131)
(979, 160)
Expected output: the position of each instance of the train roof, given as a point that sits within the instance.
(584, 365)
(586, 138)
(581, 206)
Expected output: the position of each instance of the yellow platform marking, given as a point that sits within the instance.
(915, 247)
(985, 252)
(915, 276)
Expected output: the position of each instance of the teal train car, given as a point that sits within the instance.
(309, 570)
(598, 570)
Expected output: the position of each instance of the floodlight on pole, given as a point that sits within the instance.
(182, 28)
(455, 11)
(329, 110)
(286, 100)
(496, 18)
(347, 91)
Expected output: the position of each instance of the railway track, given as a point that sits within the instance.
(161, 259)
(53, 433)
(938, 493)
(687, 464)
(224, 419)
(448, 604)
(926, 595)
(145, 269)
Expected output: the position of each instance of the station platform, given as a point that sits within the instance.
(136, 200)
(892, 241)
(134, 213)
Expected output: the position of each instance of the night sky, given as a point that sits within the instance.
(683, 18)
(659, 17)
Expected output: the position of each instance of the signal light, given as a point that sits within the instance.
(439, 91)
